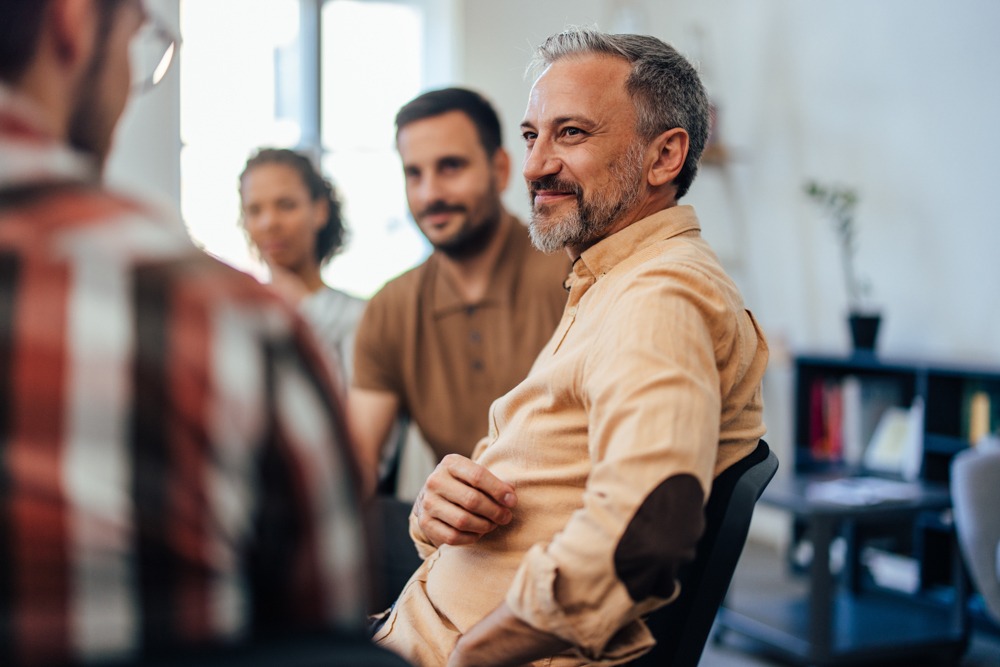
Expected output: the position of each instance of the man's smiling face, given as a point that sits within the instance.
(584, 160)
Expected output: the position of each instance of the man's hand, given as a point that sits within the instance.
(461, 501)
(503, 640)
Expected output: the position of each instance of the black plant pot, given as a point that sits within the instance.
(864, 330)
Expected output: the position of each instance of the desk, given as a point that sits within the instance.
(840, 622)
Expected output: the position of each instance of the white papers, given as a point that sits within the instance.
(856, 491)
(891, 570)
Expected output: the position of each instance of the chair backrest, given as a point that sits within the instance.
(975, 495)
(682, 627)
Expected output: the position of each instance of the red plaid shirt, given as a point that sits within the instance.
(173, 465)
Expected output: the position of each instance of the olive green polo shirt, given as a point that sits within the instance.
(448, 360)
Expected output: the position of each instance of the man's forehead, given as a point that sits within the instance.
(452, 132)
(578, 86)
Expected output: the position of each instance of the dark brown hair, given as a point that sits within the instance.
(21, 28)
(331, 238)
(472, 104)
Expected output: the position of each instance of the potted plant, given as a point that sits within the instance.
(839, 203)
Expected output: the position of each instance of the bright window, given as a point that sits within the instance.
(248, 77)
(362, 88)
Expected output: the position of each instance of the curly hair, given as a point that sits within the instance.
(332, 237)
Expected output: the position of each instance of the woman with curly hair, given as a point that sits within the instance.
(292, 217)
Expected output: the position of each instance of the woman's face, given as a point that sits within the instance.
(279, 217)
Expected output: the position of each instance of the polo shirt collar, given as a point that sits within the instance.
(447, 298)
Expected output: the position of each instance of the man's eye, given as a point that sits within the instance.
(529, 136)
(573, 132)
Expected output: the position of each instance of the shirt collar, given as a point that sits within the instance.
(447, 298)
(31, 153)
(606, 254)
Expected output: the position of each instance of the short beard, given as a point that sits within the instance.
(592, 217)
(474, 238)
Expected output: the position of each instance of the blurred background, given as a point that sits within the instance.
(891, 99)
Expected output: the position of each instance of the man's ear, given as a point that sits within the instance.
(73, 29)
(501, 168)
(671, 149)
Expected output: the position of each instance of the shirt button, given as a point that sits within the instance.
(475, 337)
(477, 365)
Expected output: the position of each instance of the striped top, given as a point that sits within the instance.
(173, 467)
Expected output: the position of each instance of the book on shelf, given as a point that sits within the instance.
(976, 406)
(852, 406)
(844, 414)
(896, 446)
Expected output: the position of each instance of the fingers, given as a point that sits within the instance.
(462, 501)
(490, 488)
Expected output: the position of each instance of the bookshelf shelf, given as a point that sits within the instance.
(840, 400)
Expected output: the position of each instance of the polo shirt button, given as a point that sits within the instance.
(477, 365)
(475, 337)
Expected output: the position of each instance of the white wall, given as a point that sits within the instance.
(897, 97)
(146, 156)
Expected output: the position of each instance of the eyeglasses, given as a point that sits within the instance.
(151, 52)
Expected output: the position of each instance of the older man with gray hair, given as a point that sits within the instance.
(571, 519)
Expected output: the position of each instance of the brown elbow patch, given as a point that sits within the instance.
(660, 538)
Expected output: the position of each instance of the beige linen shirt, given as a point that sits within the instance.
(648, 389)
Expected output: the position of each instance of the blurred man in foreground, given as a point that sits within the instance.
(173, 468)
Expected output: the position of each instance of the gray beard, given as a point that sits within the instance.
(591, 219)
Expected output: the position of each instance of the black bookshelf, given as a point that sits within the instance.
(946, 390)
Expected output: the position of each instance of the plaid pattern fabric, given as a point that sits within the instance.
(173, 465)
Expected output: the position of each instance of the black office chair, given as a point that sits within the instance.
(682, 628)
(396, 556)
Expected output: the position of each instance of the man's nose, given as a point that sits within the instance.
(429, 189)
(540, 161)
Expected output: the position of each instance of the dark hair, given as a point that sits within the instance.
(331, 238)
(663, 85)
(21, 30)
(472, 104)
(19, 33)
